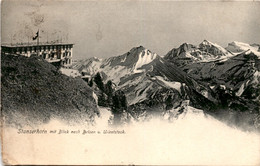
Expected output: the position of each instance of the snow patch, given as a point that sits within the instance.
(70, 72)
(123, 60)
(212, 87)
(171, 84)
(241, 90)
(205, 93)
(143, 59)
(239, 47)
(257, 74)
(95, 97)
(223, 87)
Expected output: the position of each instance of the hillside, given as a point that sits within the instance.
(33, 91)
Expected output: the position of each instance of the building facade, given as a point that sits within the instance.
(53, 53)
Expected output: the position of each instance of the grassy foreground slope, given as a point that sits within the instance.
(34, 91)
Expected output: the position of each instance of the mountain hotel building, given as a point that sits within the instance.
(53, 53)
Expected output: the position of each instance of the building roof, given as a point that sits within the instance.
(33, 44)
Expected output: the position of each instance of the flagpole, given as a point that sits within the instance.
(38, 38)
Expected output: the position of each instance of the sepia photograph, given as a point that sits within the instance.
(88, 82)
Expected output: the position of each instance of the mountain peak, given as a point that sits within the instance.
(185, 45)
(139, 49)
(206, 42)
(142, 47)
(95, 58)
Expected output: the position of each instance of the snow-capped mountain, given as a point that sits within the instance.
(213, 49)
(133, 60)
(204, 52)
(148, 80)
(117, 67)
(130, 63)
(88, 66)
(234, 81)
(210, 77)
(239, 47)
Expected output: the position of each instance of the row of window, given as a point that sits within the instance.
(42, 48)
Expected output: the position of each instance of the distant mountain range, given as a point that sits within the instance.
(222, 81)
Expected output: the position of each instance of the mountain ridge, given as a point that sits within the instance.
(165, 82)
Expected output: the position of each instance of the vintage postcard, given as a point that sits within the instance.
(88, 82)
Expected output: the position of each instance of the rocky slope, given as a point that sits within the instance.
(33, 91)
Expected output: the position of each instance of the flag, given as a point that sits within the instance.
(37, 35)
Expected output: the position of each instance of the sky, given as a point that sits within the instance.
(110, 28)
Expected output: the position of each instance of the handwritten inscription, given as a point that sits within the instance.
(66, 131)
(34, 131)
